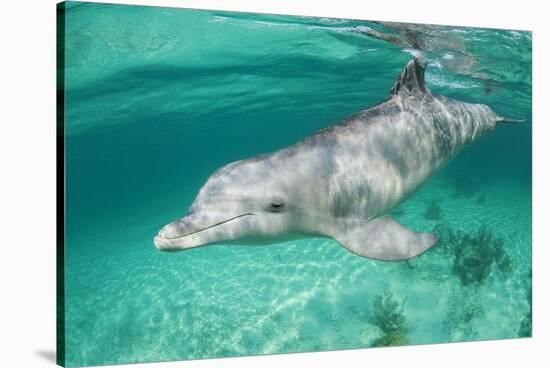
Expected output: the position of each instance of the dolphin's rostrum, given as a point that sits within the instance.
(340, 181)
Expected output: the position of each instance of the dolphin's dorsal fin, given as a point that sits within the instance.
(411, 79)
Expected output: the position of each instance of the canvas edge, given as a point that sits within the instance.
(60, 183)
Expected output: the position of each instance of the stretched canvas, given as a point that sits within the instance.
(238, 184)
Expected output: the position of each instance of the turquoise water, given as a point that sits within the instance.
(158, 98)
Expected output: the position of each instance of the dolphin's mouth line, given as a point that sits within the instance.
(208, 227)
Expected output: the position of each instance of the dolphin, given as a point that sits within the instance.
(341, 181)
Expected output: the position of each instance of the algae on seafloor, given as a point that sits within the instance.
(388, 316)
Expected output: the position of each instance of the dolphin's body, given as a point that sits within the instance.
(340, 181)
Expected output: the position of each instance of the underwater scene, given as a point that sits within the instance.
(158, 99)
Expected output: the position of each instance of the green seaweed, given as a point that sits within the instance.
(446, 239)
(433, 212)
(473, 255)
(526, 325)
(464, 309)
(388, 316)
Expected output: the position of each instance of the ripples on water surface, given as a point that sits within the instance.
(158, 98)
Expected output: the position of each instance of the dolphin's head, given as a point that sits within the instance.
(247, 200)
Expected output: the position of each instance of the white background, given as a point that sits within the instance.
(27, 181)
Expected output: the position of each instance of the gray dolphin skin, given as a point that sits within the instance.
(340, 181)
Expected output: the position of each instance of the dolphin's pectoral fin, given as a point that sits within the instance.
(385, 239)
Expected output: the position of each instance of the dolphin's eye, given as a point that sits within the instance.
(276, 205)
